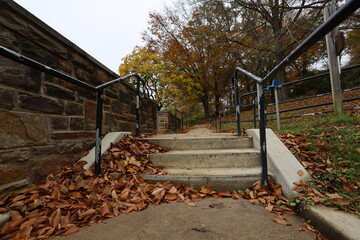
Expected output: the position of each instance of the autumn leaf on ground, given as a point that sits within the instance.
(281, 220)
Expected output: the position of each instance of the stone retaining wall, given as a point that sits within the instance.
(47, 123)
(167, 122)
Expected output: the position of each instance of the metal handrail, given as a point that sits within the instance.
(340, 15)
(98, 89)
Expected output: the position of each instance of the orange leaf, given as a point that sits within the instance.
(71, 231)
(340, 201)
(300, 173)
(87, 213)
(281, 220)
(55, 218)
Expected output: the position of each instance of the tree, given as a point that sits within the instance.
(160, 77)
(271, 29)
(185, 37)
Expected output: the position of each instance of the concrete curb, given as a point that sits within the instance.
(332, 223)
(282, 163)
(109, 138)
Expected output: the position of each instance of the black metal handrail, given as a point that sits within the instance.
(98, 89)
(340, 15)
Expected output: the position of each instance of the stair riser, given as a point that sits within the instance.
(197, 144)
(230, 160)
(217, 183)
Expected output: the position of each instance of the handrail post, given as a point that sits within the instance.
(264, 170)
(137, 106)
(237, 102)
(254, 109)
(99, 111)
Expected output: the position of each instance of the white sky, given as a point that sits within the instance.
(108, 29)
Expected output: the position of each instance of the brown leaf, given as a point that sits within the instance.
(339, 201)
(191, 204)
(269, 207)
(300, 173)
(206, 189)
(114, 194)
(171, 196)
(15, 215)
(71, 231)
(87, 213)
(281, 220)
(55, 218)
(124, 194)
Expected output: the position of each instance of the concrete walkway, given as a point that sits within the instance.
(219, 219)
(211, 219)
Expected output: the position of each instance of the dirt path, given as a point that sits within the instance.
(210, 219)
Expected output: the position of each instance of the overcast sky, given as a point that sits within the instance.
(108, 29)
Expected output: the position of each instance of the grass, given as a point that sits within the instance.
(336, 141)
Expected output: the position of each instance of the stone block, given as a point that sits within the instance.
(40, 104)
(64, 65)
(59, 123)
(72, 108)
(6, 99)
(110, 120)
(18, 155)
(8, 39)
(10, 174)
(124, 97)
(102, 75)
(20, 130)
(86, 93)
(70, 146)
(42, 167)
(19, 76)
(117, 107)
(124, 126)
(82, 75)
(90, 110)
(38, 53)
(58, 92)
(111, 94)
(71, 135)
(77, 124)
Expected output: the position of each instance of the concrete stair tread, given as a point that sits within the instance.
(187, 137)
(214, 171)
(209, 151)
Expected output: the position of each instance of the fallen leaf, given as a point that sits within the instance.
(300, 173)
(281, 220)
(339, 201)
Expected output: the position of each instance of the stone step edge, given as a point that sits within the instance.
(207, 152)
(112, 137)
(194, 138)
(214, 171)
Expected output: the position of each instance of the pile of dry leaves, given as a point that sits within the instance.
(317, 164)
(73, 198)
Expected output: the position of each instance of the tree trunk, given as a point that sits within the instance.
(205, 103)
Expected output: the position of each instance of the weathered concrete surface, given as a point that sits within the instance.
(333, 223)
(210, 219)
(214, 158)
(196, 142)
(109, 138)
(281, 162)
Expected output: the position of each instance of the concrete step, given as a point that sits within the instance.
(219, 179)
(215, 158)
(178, 142)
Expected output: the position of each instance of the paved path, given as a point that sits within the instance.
(210, 219)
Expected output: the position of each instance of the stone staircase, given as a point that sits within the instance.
(223, 161)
